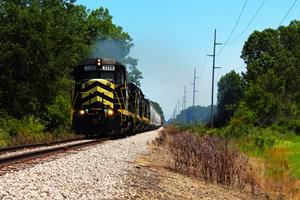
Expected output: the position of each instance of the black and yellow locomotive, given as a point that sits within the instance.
(105, 104)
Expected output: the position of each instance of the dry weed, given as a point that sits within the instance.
(209, 158)
(206, 157)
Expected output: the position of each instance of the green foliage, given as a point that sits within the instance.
(4, 138)
(40, 43)
(294, 154)
(197, 128)
(32, 124)
(243, 115)
(8, 124)
(26, 129)
(253, 140)
(293, 125)
(193, 114)
(58, 113)
(134, 75)
(273, 75)
(230, 91)
(38, 48)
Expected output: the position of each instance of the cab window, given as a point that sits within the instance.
(120, 77)
(107, 76)
(90, 75)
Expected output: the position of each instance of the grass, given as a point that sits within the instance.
(28, 130)
(273, 153)
(293, 146)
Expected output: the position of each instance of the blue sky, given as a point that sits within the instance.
(172, 37)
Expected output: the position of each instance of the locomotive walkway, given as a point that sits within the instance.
(111, 170)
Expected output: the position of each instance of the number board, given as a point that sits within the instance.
(89, 68)
(108, 68)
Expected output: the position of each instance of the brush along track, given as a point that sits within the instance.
(19, 158)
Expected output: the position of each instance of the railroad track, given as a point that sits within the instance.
(37, 152)
(29, 146)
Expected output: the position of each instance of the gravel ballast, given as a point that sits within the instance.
(97, 172)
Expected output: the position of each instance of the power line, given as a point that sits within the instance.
(288, 12)
(236, 23)
(257, 11)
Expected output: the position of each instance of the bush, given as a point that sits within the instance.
(196, 128)
(235, 131)
(291, 125)
(4, 138)
(30, 130)
(58, 114)
(9, 125)
(27, 130)
(206, 157)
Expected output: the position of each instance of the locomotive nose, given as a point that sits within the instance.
(98, 92)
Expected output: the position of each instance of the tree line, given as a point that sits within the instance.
(193, 114)
(268, 92)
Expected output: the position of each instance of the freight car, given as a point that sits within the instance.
(104, 103)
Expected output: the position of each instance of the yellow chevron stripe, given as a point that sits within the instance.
(99, 89)
(145, 119)
(103, 81)
(99, 99)
(125, 112)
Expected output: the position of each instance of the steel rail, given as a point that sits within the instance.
(46, 144)
(45, 152)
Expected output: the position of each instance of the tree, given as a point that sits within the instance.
(40, 43)
(134, 75)
(230, 91)
(273, 74)
(194, 114)
(111, 40)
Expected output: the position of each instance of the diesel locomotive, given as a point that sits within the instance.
(104, 103)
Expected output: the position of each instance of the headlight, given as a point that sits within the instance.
(81, 112)
(110, 112)
(98, 61)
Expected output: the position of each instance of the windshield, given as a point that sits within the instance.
(90, 75)
(107, 76)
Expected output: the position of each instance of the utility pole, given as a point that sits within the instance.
(213, 79)
(174, 113)
(184, 99)
(194, 92)
(194, 87)
(178, 107)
